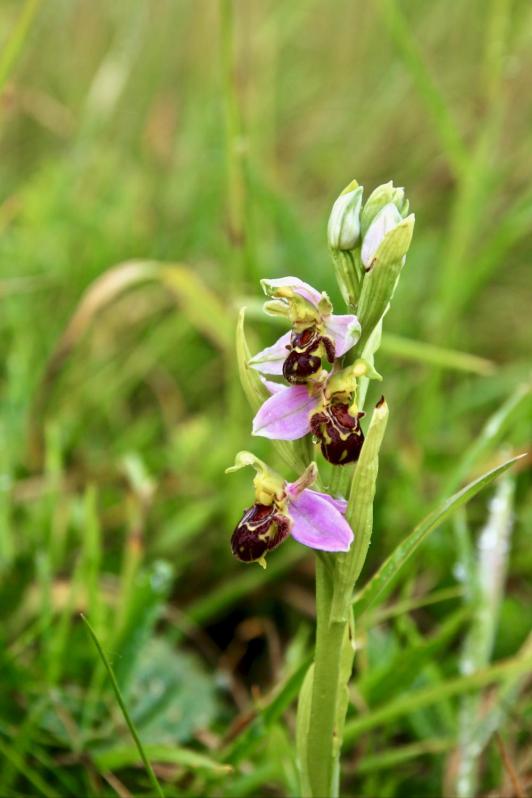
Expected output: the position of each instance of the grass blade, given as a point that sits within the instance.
(412, 701)
(436, 105)
(484, 599)
(125, 756)
(393, 564)
(439, 356)
(20, 764)
(230, 591)
(149, 770)
(258, 727)
(197, 302)
(487, 436)
(17, 38)
(409, 605)
(391, 757)
(405, 666)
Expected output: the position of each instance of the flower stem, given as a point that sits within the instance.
(323, 747)
(336, 576)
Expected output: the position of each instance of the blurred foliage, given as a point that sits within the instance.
(214, 137)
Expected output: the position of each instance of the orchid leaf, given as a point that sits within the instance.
(256, 392)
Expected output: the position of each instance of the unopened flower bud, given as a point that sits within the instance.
(343, 230)
(386, 219)
(381, 196)
(339, 433)
(387, 238)
(383, 255)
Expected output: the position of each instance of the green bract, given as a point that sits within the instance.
(380, 281)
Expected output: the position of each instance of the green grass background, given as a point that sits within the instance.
(216, 136)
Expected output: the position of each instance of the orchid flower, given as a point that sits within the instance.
(287, 508)
(325, 407)
(316, 331)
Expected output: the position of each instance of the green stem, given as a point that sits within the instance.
(323, 748)
(333, 660)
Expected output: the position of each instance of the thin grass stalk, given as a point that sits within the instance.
(235, 152)
(24, 743)
(131, 726)
(18, 763)
(476, 178)
(507, 696)
(445, 125)
(486, 438)
(417, 699)
(132, 560)
(16, 39)
(240, 261)
(487, 571)
(7, 538)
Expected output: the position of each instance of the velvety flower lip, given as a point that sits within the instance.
(312, 518)
(339, 433)
(307, 347)
(343, 331)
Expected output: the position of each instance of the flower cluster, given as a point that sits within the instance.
(322, 358)
(287, 508)
(317, 401)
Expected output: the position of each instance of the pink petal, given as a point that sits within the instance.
(338, 504)
(304, 481)
(271, 359)
(386, 219)
(345, 332)
(318, 524)
(271, 386)
(298, 286)
(293, 490)
(285, 415)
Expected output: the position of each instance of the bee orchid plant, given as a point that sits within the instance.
(309, 389)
